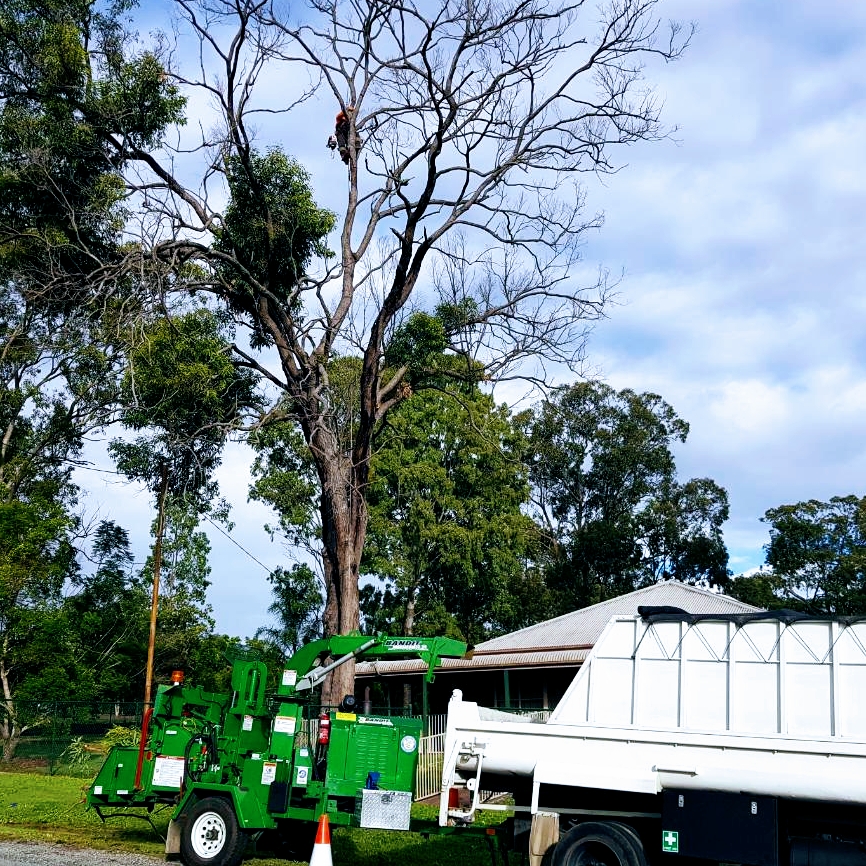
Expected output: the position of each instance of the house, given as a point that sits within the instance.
(528, 669)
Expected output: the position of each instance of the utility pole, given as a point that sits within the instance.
(157, 568)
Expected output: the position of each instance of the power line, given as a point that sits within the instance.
(240, 546)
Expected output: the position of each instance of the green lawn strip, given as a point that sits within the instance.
(42, 808)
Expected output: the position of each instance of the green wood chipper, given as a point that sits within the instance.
(240, 764)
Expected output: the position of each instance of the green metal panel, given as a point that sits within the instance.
(286, 725)
(368, 744)
(116, 775)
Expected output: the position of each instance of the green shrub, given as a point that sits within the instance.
(121, 736)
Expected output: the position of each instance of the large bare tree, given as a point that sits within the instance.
(471, 124)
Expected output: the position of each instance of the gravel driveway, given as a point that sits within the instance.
(33, 854)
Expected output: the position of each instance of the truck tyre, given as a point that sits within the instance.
(211, 836)
(599, 843)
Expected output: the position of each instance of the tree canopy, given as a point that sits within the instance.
(156, 275)
(465, 185)
(816, 558)
(446, 529)
(605, 492)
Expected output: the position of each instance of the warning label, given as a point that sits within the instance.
(168, 772)
(285, 724)
(269, 772)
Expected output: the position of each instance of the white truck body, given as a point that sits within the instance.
(771, 706)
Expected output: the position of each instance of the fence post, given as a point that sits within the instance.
(52, 748)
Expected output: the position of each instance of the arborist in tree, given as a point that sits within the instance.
(340, 139)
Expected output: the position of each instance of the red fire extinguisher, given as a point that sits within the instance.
(324, 728)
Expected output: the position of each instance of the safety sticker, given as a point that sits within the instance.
(168, 772)
(269, 772)
(285, 724)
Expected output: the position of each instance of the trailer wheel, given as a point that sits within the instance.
(599, 843)
(211, 836)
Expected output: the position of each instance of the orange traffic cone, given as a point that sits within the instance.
(322, 848)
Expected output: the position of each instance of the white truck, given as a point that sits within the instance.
(725, 738)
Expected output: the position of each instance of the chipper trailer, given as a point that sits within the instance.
(236, 765)
(684, 738)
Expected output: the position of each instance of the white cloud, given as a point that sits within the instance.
(750, 407)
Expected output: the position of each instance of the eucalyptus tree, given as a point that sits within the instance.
(815, 559)
(817, 550)
(470, 127)
(606, 494)
(64, 84)
(295, 610)
(182, 390)
(446, 526)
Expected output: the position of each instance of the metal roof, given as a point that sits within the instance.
(567, 639)
(584, 626)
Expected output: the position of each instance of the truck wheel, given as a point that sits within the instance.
(599, 843)
(211, 836)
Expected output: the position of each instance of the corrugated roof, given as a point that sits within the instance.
(581, 627)
(567, 639)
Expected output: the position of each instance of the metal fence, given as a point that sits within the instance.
(431, 754)
(73, 737)
(67, 737)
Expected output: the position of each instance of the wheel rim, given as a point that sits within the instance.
(208, 835)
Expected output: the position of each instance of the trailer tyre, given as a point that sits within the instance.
(211, 835)
(599, 843)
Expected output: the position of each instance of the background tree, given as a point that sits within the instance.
(295, 611)
(446, 528)
(66, 88)
(605, 492)
(681, 533)
(184, 616)
(817, 557)
(763, 589)
(36, 558)
(106, 611)
(64, 85)
(181, 385)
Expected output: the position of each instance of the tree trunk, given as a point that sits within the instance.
(9, 738)
(10, 731)
(409, 613)
(344, 528)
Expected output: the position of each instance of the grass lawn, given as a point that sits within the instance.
(40, 808)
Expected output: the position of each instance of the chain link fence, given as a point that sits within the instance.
(73, 737)
(67, 737)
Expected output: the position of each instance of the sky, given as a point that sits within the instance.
(739, 241)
